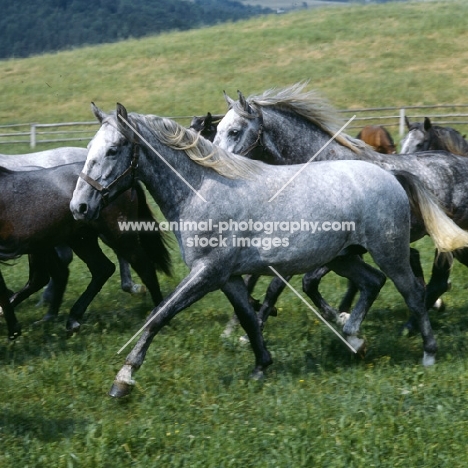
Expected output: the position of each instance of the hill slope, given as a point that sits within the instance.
(357, 56)
(30, 27)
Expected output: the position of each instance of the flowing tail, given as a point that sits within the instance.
(154, 242)
(447, 236)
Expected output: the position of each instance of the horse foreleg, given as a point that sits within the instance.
(193, 287)
(101, 269)
(65, 254)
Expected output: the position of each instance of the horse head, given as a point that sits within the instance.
(110, 164)
(419, 136)
(240, 130)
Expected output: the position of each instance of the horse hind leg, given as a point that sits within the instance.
(126, 282)
(397, 267)
(250, 282)
(369, 281)
(13, 326)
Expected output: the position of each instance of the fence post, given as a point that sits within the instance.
(32, 137)
(402, 122)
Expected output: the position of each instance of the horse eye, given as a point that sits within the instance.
(234, 133)
(111, 151)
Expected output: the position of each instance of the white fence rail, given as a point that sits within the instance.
(455, 115)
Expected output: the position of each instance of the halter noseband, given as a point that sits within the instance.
(104, 191)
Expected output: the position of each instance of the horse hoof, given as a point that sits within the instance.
(358, 344)
(342, 319)
(120, 389)
(14, 335)
(428, 359)
(137, 289)
(72, 327)
(257, 375)
(439, 305)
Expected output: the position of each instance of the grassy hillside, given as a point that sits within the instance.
(377, 55)
(193, 405)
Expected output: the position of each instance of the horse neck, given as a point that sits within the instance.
(169, 187)
(290, 139)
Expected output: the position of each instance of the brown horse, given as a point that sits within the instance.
(379, 138)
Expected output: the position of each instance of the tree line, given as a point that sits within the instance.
(31, 27)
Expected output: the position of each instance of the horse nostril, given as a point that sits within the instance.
(83, 208)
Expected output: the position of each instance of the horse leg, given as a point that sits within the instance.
(13, 326)
(275, 288)
(394, 264)
(133, 254)
(368, 281)
(101, 269)
(65, 254)
(42, 267)
(126, 281)
(310, 284)
(197, 284)
(438, 284)
(250, 282)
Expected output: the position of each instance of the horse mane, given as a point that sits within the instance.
(309, 105)
(453, 140)
(197, 148)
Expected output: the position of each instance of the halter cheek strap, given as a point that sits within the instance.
(258, 141)
(104, 191)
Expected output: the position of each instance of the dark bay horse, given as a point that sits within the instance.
(290, 126)
(379, 138)
(423, 136)
(52, 158)
(193, 179)
(35, 217)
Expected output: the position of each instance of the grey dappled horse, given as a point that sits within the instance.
(423, 136)
(292, 126)
(193, 180)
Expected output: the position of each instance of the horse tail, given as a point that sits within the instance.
(446, 235)
(155, 243)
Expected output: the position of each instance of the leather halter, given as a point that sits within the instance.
(104, 191)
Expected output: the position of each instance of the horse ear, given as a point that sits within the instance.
(243, 102)
(122, 112)
(427, 123)
(230, 102)
(99, 114)
(208, 120)
(407, 122)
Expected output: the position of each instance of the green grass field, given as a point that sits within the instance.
(194, 405)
